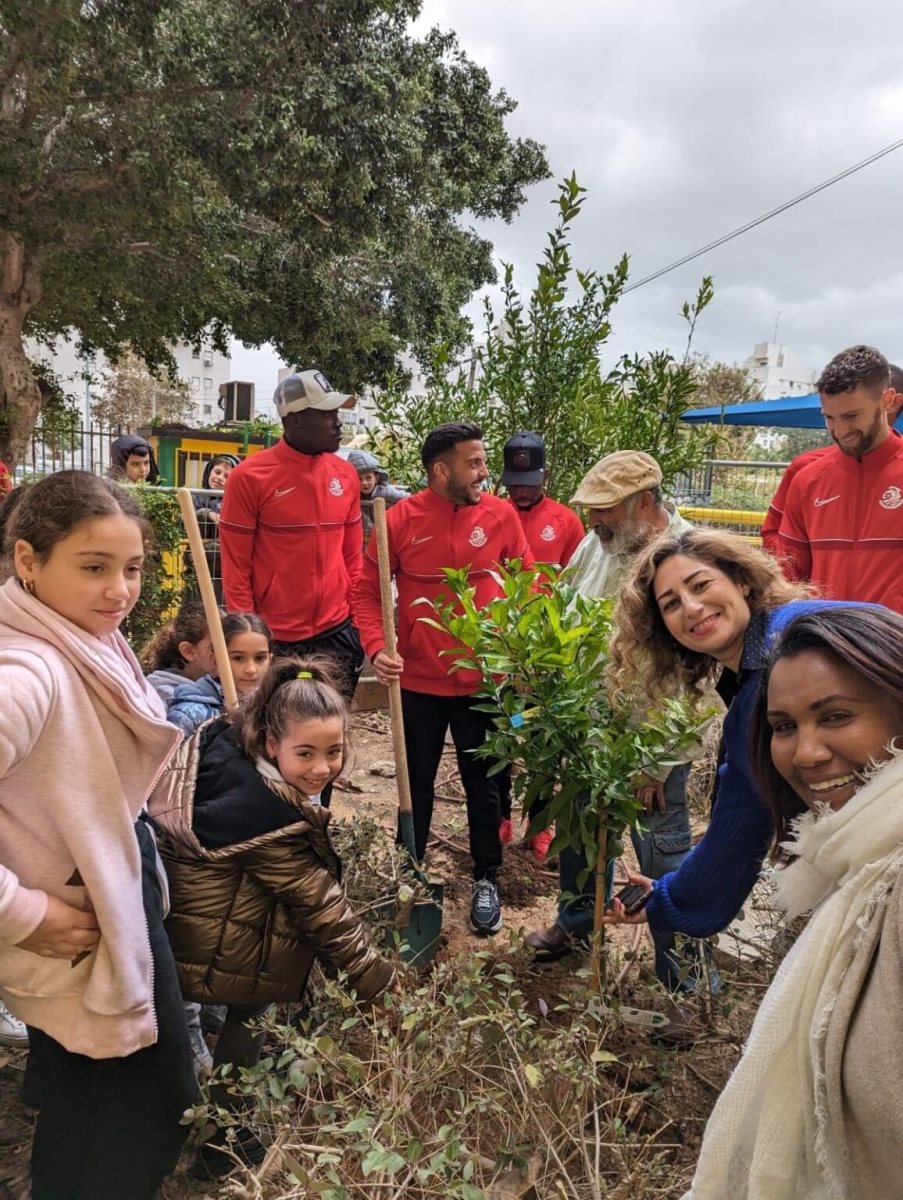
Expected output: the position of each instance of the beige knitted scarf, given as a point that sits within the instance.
(768, 1137)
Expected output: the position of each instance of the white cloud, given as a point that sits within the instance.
(684, 121)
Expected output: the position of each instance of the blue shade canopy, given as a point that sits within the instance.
(789, 412)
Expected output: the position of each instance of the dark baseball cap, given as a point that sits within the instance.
(525, 460)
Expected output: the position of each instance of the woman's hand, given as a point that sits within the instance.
(65, 932)
(615, 914)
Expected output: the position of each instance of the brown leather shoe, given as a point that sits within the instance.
(550, 943)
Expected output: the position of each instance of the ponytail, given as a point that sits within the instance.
(293, 689)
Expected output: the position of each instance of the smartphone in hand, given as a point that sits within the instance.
(634, 897)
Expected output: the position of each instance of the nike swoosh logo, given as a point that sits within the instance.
(819, 502)
(283, 491)
(417, 541)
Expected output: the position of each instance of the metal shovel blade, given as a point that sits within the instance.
(418, 923)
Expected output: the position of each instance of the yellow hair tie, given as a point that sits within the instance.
(304, 675)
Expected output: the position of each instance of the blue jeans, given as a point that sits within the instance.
(661, 848)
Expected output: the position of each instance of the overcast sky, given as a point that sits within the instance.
(684, 121)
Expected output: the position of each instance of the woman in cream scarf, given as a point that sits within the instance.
(813, 1110)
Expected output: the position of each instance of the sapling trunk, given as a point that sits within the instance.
(598, 957)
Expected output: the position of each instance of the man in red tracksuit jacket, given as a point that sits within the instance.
(553, 530)
(842, 526)
(771, 527)
(451, 523)
(553, 533)
(290, 531)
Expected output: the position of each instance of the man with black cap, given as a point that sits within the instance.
(290, 530)
(553, 530)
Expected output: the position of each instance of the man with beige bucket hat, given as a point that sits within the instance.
(625, 510)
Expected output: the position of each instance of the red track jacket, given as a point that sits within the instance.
(553, 530)
(427, 533)
(290, 537)
(771, 526)
(843, 525)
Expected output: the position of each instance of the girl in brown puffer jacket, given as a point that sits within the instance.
(255, 882)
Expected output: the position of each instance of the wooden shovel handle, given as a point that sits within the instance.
(385, 594)
(208, 597)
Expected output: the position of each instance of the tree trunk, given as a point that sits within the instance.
(20, 396)
(598, 951)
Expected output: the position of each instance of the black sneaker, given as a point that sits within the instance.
(214, 1162)
(485, 910)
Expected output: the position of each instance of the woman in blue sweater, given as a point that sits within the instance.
(701, 607)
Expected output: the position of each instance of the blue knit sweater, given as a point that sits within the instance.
(709, 888)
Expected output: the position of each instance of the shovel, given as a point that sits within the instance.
(208, 597)
(419, 921)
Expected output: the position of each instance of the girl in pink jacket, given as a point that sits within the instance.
(84, 960)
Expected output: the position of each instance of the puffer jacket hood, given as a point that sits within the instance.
(231, 459)
(165, 681)
(195, 701)
(362, 460)
(125, 445)
(249, 914)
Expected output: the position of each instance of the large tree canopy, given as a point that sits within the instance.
(291, 170)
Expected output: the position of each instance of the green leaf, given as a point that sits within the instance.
(381, 1159)
(358, 1125)
(603, 1056)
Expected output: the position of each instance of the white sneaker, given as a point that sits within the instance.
(12, 1030)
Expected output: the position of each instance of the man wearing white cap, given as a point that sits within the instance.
(290, 530)
(625, 510)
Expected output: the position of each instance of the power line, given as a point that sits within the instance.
(765, 216)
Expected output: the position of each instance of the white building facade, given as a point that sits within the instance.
(203, 369)
(779, 372)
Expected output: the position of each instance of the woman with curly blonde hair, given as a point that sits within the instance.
(645, 654)
(700, 608)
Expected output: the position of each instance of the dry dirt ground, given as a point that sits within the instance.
(528, 893)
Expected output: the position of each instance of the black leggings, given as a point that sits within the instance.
(110, 1127)
(240, 1046)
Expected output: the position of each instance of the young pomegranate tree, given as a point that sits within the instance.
(581, 750)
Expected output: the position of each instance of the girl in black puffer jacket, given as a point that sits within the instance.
(255, 883)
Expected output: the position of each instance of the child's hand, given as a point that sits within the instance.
(65, 932)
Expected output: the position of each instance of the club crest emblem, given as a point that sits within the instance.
(478, 536)
(892, 498)
(548, 534)
(335, 487)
